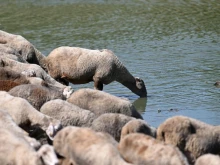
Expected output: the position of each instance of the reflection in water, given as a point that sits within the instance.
(140, 104)
(172, 45)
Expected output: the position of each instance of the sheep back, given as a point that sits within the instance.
(67, 113)
(138, 126)
(100, 102)
(13, 146)
(36, 95)
(138, 148)
(79, 65)
(84, 146)
(26, 116)
(22, 46)
(193, 137)
(111, 123)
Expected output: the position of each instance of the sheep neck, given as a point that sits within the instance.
(40, 57)
(125, 78)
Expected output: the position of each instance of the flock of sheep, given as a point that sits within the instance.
(43, 121)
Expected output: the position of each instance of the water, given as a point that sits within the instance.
(174, 46)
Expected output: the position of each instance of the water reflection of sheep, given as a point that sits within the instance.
(140, 104)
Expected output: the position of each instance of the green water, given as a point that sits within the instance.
(173, 45)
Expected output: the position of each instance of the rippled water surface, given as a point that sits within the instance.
(173, 45)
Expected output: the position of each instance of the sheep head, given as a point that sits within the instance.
(68, 91)
(48, 155)
(140, 88)
(53, 128)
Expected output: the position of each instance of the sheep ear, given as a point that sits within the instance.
(137, 79)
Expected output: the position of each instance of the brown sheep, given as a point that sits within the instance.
(15, 150)
(193, 137)
(100, 102)
(84, 146)
(27, 117)
(79, 66)
(208, 159)
(22, 46)
(138, 126)
(67, 113)
(36, 95)
(142, 149)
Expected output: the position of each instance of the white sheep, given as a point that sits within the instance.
(111, 123)
(15, 150)
(6, 122)
(87, 147)
(100, 102)
(36, 95)
(140, 149)
(26, 116)
(193, 137)
(22, 46)
(80, 65)
(68, 113)
(9, 52)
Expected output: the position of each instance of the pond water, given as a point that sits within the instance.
(173, 45)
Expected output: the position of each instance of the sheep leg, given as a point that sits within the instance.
(97, 83)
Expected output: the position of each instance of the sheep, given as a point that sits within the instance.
(30, 70)
(8, 123)
(139, 149)
(26, 117)
(100, 102)
(208, 159)
(84, 146)
(111, 123)
(48, 155)
(138, 126)
(7, 74)
(22, 46)
(9, 52)
(80, 66)
(36, 95)
(193, 137)
(67, 113)
(15, 150)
